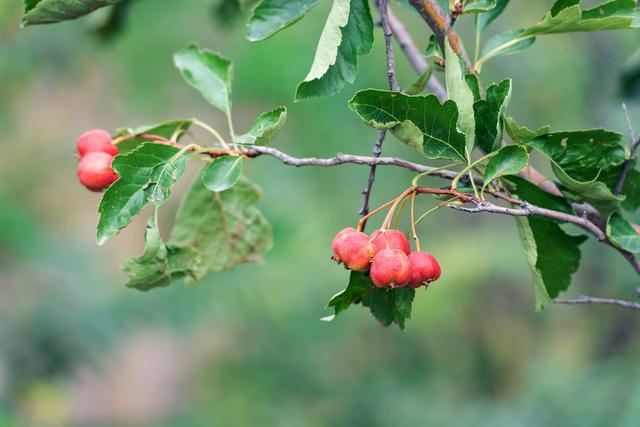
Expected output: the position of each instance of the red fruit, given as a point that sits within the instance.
(95, 140)
(356, 251)
(392, 239)
(390, 268)
(337, 241)
(424, 269)
(95, 172)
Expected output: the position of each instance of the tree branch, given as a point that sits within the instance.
(440, 24)
(584, 299)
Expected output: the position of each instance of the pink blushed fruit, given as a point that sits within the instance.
(390, 268)
(392, 239)
(337, 241)
(424, 269)
(356, 251)
(95, 140)
(95, 172)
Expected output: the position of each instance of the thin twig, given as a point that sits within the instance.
(383, 10)
(584, 299)
(377, 152)
(415, 57)
(633, 147)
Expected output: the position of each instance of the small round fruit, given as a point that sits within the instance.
(392, 239)
(95, 140)
(337, 241)
(356, 251)
(424, 269)
(390, 268)
(95, 172)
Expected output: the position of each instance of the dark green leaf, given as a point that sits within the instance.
(489, 116)
(622, 234)
(474, 85)
(577, 159)
(630, 189)
(437, 122)
(508, 161)
(533, 194)
(208, 72)
(159, 265)
(271, 16)
(51, 11)
(222, 173)
(146, 175)
(630, 77)
(342, 40)
(265, 128)
(388, 306)
(172, 130)
(225, 228)
(461, 94)
(565, 16)
(359, 284)
(552, 254)
(522, 134)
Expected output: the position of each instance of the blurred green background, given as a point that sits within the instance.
(247, 348)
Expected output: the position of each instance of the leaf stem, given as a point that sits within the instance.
(212, 131)
(413, 222)
(456, 179)
(417, 178)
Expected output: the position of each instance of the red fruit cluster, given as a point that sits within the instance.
(96, 152)
(387, 254)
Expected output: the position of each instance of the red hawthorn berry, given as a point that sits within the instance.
(95, 140)
(390, 268)
(356, 251)
(392, 239)
(95, 172)
(337, 241)
(424, 269)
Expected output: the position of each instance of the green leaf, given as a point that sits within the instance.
(208, 72)
(388, 306)
(146, 175)
(225, 228)
(577, 159)
(508, 161)
(487, 18)
(489, 116)
(265, 128)
(461, 94)
(522, 134)
(479, 6)
(622, 234)
(474, 85)
(348, 33)
(533, 194)
(630, 189)
(437, 122)
(565, 16)
(160, 265)
(432, 49)
(418, 85)
(52, 11)
(271, 16)
(552, 254)
(173, 129)
(359, 284)
(222, 173)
